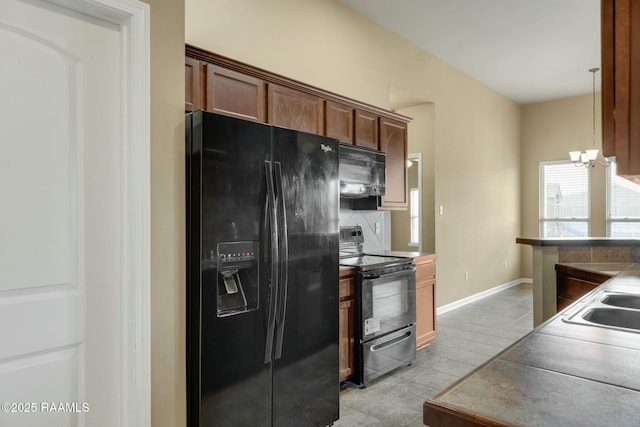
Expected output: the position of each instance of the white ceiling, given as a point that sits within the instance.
(527, 50)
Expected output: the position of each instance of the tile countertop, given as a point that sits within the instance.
(577, 241)
(559, 374)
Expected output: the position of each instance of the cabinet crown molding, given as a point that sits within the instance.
(269, 77)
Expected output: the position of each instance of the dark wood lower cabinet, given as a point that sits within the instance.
(572, 283)
(425, 300)
(347, 325)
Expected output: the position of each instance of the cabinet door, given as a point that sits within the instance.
(425, 313)
(235, 94)
(347, 325)
(194, 85)
(338, 121)
(570, 289)
(425, 269)
(621, 85)
(346, 342)
(563, 303)
(425, 299)
(294, 109)
(393, 142)
(347, 288)
(366, 134)
(607, 76)
(572, 283)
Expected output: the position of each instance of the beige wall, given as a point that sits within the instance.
(421, 139)
(477, 150)
(167, 214)
(549, 131)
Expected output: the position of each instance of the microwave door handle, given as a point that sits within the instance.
(284, 261)
(271, 212)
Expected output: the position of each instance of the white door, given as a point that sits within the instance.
(61, 196)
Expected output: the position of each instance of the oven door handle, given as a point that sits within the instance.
(391, 342)
(411, 270)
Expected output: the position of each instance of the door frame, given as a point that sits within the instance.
(132, 19)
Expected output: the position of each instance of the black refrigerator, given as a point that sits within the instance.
(262, 274)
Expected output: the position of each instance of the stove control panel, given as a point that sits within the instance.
(351, 234)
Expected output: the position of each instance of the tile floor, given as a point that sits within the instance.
(467, 337)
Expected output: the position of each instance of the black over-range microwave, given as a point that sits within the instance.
(362, 172)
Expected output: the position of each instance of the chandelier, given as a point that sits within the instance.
(589, 158)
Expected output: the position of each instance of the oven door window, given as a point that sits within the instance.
(388, 303)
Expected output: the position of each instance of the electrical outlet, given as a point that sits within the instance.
(505, 265)
(377, 228)
(466, 275)
(441, 210)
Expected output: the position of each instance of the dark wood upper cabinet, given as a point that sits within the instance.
(235, 94)
(393, 142)
(295, 109)
(366, 129)
(620, 29)
(222, 85)
(607, 77)
(193, 84)
(338, 121)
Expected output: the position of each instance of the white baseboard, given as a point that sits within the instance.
(464, 301)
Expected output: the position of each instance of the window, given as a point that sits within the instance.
(623, 205)
(564, 200)
(414, 213)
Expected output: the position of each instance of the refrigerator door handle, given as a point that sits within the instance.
(271, 212)
(284, 261)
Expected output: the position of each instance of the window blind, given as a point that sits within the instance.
(623, 205)
(564, 200)
(414, 211)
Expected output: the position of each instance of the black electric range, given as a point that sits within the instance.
(385, 312)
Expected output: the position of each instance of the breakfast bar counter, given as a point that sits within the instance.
(565, 372)
(547, 252)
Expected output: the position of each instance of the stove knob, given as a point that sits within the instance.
(359, 233)
(354, 233)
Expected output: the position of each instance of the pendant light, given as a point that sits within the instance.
(589, 158)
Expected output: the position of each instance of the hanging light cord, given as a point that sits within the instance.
(593, 71)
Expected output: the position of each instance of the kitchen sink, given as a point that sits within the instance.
(622, 300)
(615, 317)
(613, 310)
